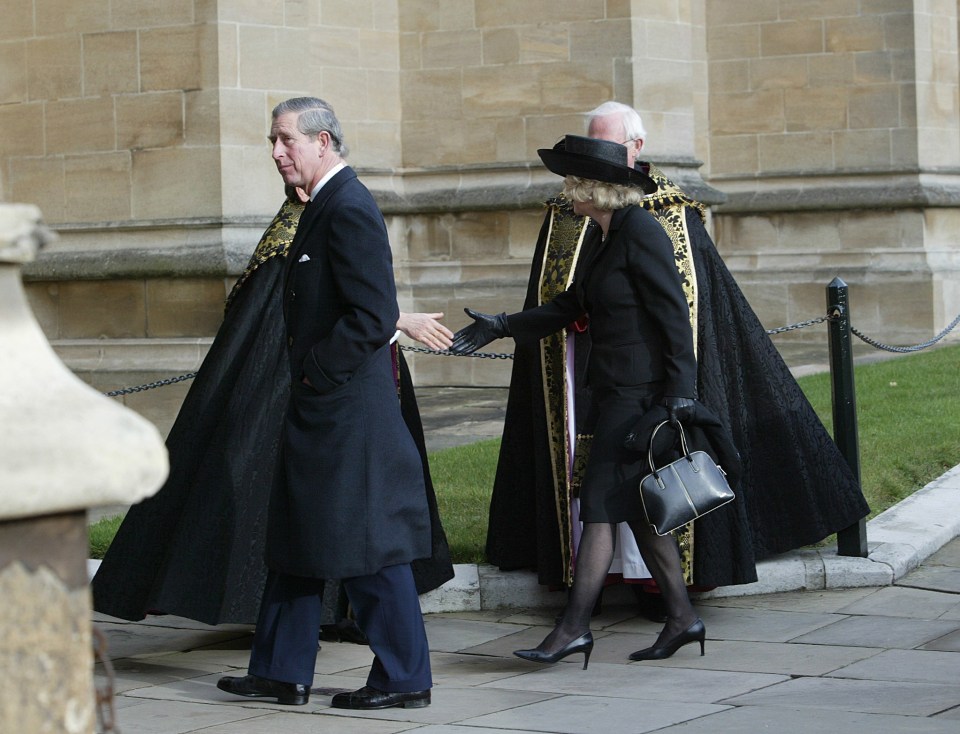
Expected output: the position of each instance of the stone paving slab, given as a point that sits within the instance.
(917, 666)
(770, 657)
(935, 578)
(883, 632)
(637, 680)
(864, 696)
(947, 643)
(587, 714)
(753, 719)
(160, 716)
(727, 623)
(899, 601)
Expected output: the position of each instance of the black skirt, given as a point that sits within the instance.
(610, 491)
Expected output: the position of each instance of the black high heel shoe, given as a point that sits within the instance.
(696, 632)
(584, 644)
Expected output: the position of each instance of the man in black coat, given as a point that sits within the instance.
(349, 502)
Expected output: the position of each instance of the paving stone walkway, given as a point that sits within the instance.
(862, 660)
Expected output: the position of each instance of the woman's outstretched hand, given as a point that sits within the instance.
(484, 329)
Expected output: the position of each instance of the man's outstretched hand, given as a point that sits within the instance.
(484, 329)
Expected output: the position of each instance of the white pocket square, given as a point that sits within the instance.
(303, 258)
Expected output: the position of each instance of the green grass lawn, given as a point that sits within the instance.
(908, 410)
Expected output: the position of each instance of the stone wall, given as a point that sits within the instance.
(830, 126)
(834, 132)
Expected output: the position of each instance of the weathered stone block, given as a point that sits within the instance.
(98, 187)
(859, 33)
(147, 14)
(776, 73)
(39, 181)
(815, 108)
(434, 93)
(149, 120)
(18, 126)
(53, 67)
(493, 13)
(180, 58)
(80, 125)
(875, 106)
(862, 149)
(158, 186)
(503, 91)
(739, 153)
(789, 38)
(730, 76)
(446, 49)
(180, 308)
(722, 13)
(54, 17)
(97, 309)
(754, 112)
(801, 151)
(13, 81)
(733, 42)
(501, 46)
(110, 63)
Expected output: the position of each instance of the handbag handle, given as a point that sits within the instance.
(683, 446)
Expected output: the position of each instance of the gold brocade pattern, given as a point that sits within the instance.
(562, 250)
(275, 241)
(667, 204)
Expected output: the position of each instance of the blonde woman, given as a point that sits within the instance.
(642, 357)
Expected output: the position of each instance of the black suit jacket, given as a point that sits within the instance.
(639, 320)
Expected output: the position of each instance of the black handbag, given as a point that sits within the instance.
(683, 490)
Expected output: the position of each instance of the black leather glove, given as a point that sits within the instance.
(484, 329)
(678, 409)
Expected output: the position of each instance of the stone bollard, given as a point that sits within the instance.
(63, 448)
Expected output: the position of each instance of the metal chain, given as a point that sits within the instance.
(800, 325)
(106, 711)
(492, 355)
(150, 385)
(902, 350)
(447, 353)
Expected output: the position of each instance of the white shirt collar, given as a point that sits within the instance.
(330, 174)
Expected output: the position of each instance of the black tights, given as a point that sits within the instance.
(594, 556)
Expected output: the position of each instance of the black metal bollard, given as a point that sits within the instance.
(851, 541)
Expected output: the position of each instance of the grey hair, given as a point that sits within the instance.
(314, 117)
(633, 128)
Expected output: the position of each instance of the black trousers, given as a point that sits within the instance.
(387, 609)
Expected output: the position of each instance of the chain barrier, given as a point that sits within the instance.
(106, 710)
(150, 385)
(902, 350)
(493, 355)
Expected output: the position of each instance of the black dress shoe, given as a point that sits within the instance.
(371, 698)
(584, 644)
(696, 632)
(253, 686)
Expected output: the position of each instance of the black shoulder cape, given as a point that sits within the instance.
(195, 549)
(795, 489)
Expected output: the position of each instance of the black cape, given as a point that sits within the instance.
(195, 548)
(796, 488)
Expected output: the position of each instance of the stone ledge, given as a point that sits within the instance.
(819, 192)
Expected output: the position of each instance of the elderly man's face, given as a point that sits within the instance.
(611, 128)
(297, 155)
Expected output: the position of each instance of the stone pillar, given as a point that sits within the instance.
(835, 132)
(63, 448)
